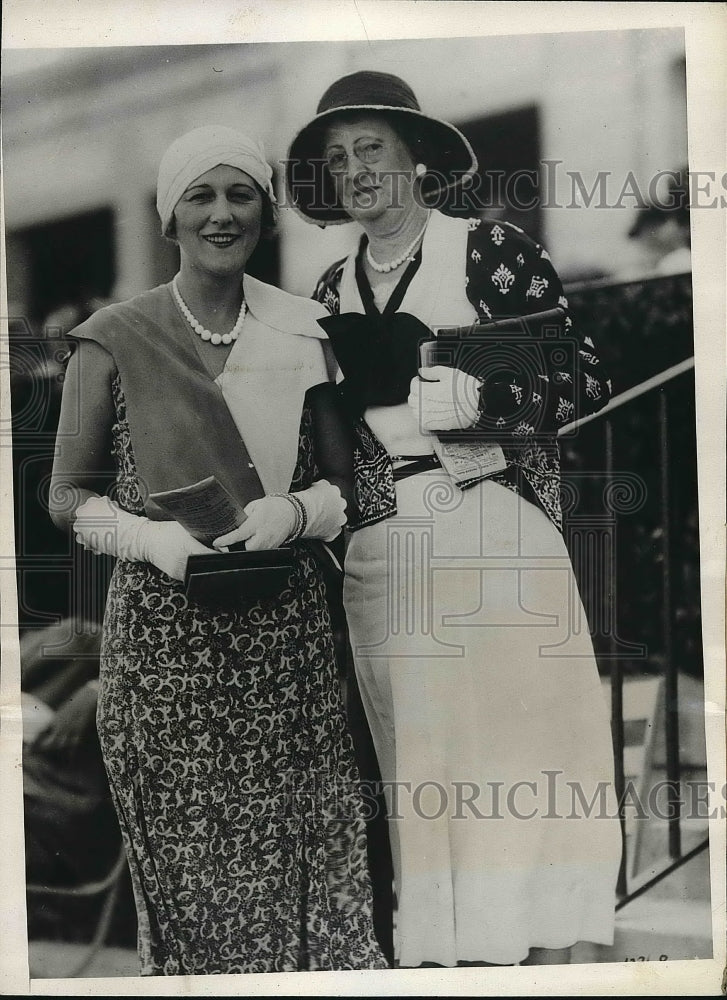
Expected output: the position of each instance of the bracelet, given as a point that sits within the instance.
(301, 515)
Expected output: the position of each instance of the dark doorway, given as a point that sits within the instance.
(61, 270)
(70, 261)
(507, 146)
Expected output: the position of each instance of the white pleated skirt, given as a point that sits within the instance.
(478, 678)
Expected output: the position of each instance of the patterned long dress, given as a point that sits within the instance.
(231, 768)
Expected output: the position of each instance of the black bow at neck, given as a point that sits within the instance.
(378, 352)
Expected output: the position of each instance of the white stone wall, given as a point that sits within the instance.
(87, 130)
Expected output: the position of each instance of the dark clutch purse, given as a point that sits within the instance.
(221, 579)
(505, 348)
(517, 349)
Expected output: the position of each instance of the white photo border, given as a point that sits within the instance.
(81, 23)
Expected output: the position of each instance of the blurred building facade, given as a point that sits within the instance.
(84, 130)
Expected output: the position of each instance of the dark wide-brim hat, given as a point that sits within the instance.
(450, 159)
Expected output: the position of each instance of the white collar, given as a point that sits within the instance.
(283, 311)
(437, 293)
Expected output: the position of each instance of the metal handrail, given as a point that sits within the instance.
(673, 764)
(630, 394)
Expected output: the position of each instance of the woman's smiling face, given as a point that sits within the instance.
(371, 166)
(218, 220)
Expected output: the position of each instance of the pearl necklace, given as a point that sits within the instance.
(204, 333)
(397, 261)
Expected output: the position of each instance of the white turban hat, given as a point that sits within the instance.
(198, 151)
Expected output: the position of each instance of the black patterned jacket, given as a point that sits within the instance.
(506, 274)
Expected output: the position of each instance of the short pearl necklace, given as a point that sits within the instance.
(205, 334)
(397, 261)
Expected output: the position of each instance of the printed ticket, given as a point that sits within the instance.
(464, 461)
(206, 509)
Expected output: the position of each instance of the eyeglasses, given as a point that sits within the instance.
(368, 151)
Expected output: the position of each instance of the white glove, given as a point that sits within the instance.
(447, 400)
(103, 527)
(272, 520)
(269, 522)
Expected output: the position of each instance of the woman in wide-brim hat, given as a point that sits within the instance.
(447, 153)
(458, 587)
(215, 720)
